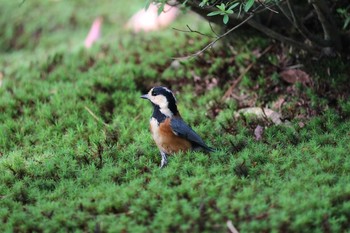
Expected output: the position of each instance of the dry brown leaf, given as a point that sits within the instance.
(295, 75)
(258, 132)
(275, 117)
(231, 227)
(277, 105)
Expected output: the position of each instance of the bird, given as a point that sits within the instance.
(169, 131)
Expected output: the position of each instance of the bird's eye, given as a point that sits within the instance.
(154, 93)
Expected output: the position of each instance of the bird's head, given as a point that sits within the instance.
(164, 99)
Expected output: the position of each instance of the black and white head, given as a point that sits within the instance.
(164, 99)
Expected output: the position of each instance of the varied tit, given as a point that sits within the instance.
(169, 131)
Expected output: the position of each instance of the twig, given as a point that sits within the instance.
(324, 22)
(254, 24)
(231, 227)
(297, 66)
(238, 80)
(190, 30)
(297, 23)
(213, 4)
(329, 28)
(212, 29)
(267, 7)
(126, 213)
(303, 30)
(258, 9)
(214, 41)
(275, 35)
(94, 116)
(284, 12)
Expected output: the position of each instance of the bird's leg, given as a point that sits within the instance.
(164, 159)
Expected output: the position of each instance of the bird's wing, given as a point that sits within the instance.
(181, 129)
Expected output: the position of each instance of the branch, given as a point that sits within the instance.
(252, 23)
(217, 39)
(267, 7)
(212, 29)
(271, 33)
(304, 31)
(190, 30)
(329, 27)
(204, 13)
(285, 13)
(322, 18)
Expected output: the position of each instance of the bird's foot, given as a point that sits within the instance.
(164, 161)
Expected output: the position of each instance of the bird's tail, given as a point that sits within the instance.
(210, 149)
(204, 148)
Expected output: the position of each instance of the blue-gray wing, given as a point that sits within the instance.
(183, 130)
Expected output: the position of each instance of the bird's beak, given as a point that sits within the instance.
(145, 96)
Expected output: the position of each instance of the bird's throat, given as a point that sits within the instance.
(158, 115)
(161, 113)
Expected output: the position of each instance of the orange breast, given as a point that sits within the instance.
(165, 138)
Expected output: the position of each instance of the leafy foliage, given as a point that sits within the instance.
(223, 11)
(344, 13)
(312, 26)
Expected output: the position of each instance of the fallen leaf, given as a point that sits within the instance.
(149, 20)
(295, 75)
(94, 33)
(175, 64)
(277, 105)
(258, 132)
(231, 227)
(261, 113)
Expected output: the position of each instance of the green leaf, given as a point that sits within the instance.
(161, 8)
(184, 3)
(148, 3)
(248, 5)
(214, 13)
(240, 10)
(225, 19)
(202, 4)
(221, 7)
(346, 23)
(234, 6)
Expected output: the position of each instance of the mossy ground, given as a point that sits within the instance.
(62, 170)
